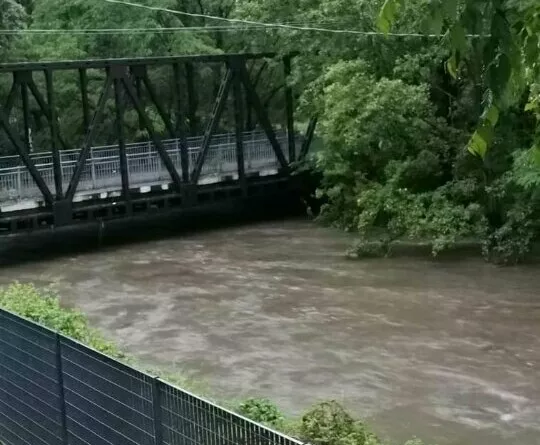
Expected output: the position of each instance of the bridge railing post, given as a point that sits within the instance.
(93, 168)
(19, 185)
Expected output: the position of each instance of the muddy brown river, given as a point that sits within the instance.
(447, 351)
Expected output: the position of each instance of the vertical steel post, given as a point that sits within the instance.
(180, 128)
(289, 107)
(239, 122)
(192, 100)
(61, 395)
(93, 168)
(124, 168)
(156, 407)
(53, 123)
(26, 114)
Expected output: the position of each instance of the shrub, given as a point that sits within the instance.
(263, 411)
(329, 424)
(43, 307)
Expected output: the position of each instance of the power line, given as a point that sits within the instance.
(127, 30)
(280, 25)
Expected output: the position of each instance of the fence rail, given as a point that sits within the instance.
(55, 391)
(102, 168)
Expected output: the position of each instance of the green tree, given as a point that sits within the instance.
(508, 41)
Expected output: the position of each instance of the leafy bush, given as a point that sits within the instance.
(263, 411)
(43, 307)
(329, 424)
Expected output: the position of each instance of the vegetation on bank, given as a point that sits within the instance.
(326, 423)
(396, 113)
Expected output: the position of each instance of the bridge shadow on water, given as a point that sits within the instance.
(53, 243)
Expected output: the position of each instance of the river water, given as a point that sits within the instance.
(447, 351)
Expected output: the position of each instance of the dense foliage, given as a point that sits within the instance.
(396, 113)
(43, 307)
(325, 424)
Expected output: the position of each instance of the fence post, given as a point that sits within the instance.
(156, 407)
(61, 396)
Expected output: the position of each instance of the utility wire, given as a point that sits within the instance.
(281, 25)
(127, 30)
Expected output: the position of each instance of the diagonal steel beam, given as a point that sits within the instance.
(90, 135)
(169, 165)
(53, 124)
(26, 114)
(27, 161)
(262, 115)
(180, 125)
(121, 140)
(219, 104)
(161, 111)
(239, 122)
(289, 108)
(45, 109)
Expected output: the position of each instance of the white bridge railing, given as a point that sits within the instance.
(102, 169)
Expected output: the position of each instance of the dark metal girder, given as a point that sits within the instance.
(262, 116)
(27, 161)
(45, 109)
(121, 139)
(239, 123)
(26, 115)
(180, 125)
(108, 63)
(192, 99)
(219, 104)
(53, 124)
(169, 165)
(161, 111)
(87, 144)
(289, 108)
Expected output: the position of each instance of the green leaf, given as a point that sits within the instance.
(480, 140)
(491, 115)
(458, 38)
(451, 65)
(387, 15)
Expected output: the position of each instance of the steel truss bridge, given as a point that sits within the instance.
(238, 147)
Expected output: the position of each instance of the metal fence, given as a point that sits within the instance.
(55, 391)
(145, 167)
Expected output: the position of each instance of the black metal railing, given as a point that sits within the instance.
(56, 391)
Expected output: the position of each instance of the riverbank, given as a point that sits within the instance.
(366, 248)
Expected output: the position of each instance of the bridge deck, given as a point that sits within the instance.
(101, 175)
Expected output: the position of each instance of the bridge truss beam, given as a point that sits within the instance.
(128, 83)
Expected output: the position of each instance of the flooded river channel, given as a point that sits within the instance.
(447, 351)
